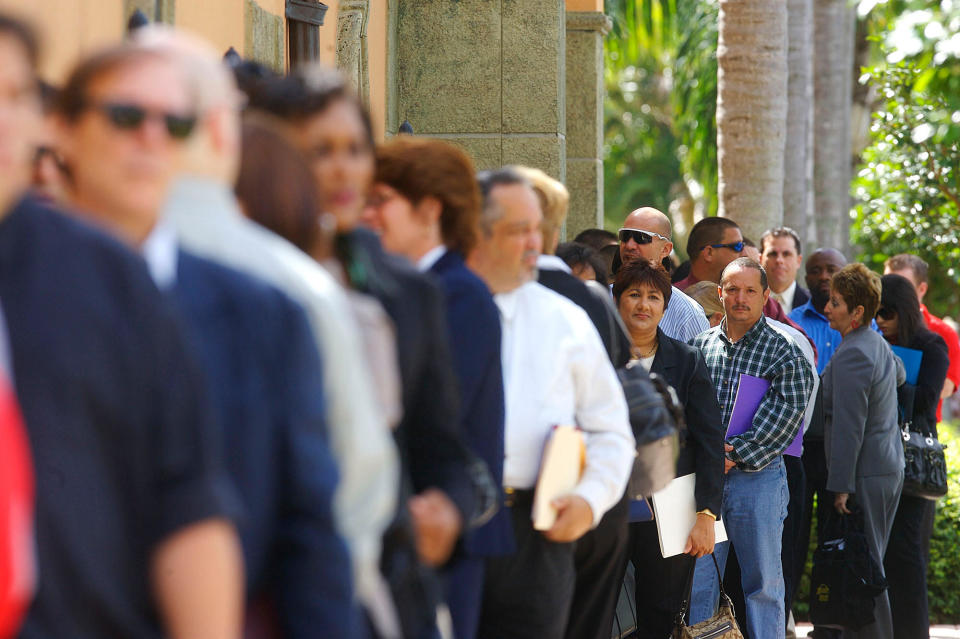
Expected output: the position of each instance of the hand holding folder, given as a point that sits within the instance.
(564, 458)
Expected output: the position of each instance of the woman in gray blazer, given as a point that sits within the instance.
(862, 438)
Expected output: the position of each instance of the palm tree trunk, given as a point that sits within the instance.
(798, 160)
(832, 97)
(752, 112)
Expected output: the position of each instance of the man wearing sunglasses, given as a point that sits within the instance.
(646, 235)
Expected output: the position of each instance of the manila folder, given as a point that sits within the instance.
(560, 470)
(675, 511)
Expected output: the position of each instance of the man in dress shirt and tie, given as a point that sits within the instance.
(780, 256)
(646, 235)
(556, 372)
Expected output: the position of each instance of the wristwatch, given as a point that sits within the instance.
(707, 512)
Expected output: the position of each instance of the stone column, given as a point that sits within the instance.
(584, 78)
(487, 75)
(352, 44)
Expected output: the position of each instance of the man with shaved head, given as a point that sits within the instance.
(646, 235)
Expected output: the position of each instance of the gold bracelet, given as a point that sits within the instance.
(708, 513)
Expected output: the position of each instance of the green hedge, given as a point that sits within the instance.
(943, 587)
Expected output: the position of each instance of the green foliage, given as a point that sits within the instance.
(944, 559)
(660, 123)
(907, 192)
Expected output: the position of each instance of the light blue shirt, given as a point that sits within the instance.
(684, 319)
(817, 327)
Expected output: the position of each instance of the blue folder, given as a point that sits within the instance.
(911, 359)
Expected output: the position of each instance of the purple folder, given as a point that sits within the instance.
(750, 392)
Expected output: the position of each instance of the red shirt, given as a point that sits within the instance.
(943, 329)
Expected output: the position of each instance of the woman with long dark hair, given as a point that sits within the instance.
(905, 563)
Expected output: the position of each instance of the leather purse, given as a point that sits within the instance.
(722, 625)
(925, 466)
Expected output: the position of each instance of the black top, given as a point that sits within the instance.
(933, 372)
(125, 450)
(684, 368)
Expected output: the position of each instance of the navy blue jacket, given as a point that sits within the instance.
(474, 327)
(265, 382)
(124, 443)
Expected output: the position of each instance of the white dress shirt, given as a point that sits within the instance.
(804, 344)
(556, 372)
(786, 298)
(430, 258)
(160, 252)
(209, 223)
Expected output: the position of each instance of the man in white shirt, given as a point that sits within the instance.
(780, 256)
(556, 372)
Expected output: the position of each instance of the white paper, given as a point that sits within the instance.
(675, 511)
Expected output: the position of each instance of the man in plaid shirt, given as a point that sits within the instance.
(755, 493)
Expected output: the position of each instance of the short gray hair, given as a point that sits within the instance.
(488, 181)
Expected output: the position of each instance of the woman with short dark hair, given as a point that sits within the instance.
(642, 292)
(901, 323)
(861, 436)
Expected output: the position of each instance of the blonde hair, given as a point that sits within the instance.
(705, 294)
(554, 201)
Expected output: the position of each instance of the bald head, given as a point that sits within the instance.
(820, 267)
(652, 221)
(648, 218)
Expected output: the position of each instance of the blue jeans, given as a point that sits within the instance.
(754, 507)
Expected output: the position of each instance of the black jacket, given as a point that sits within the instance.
(683, 367)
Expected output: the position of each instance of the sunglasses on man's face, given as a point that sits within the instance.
(130, 117)
(640, 237)
(733, 246)
(886, 314)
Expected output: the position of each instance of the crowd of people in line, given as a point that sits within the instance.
(276, 379)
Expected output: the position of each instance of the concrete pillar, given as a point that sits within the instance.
(264, 36)
(352, 57)
(487, 75)
(584, 97)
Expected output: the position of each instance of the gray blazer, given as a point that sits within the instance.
(862, 437)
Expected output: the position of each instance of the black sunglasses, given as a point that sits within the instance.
(886, 313)
(734, 246)
(638, 236)
(130, 117)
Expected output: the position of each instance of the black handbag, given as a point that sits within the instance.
(846, 578)
(722, 625)
(925, 466)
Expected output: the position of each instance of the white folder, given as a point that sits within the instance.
(675, 511)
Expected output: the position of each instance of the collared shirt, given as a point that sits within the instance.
(430, 258)
(817, 328)
(556, 372)
(209, 224)
(786, 297)
(761, 352)
(684, 319)
(159, 251)
(552, 263)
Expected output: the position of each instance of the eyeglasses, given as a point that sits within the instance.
(733, 246)
(638, 236)
(130, 117)
(886, 314)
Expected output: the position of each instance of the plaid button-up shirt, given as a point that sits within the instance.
(761, 352)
